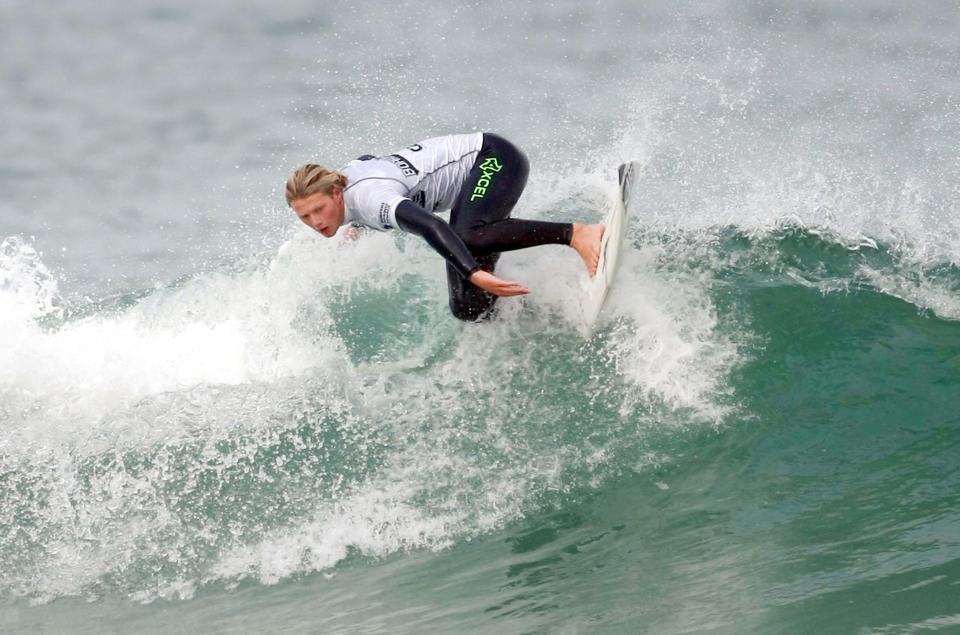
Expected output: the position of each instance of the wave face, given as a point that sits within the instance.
(213, 419)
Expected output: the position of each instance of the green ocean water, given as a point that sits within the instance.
(213, 420)
(798, 477)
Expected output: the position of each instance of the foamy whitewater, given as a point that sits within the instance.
(216, 420)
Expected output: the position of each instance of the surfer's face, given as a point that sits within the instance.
(322, 212)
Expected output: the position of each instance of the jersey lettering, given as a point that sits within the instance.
(404, 165)
(385, 215)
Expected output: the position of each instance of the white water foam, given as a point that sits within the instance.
(234, 358)
(216, 329)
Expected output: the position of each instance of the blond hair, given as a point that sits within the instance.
(311, 179)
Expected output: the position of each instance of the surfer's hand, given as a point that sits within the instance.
(497, 286)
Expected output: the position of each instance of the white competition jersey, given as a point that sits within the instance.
(430, 173)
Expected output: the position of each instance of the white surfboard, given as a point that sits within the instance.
(595, 289)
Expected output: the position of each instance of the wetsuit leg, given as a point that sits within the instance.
(481, 217)
(516, 233)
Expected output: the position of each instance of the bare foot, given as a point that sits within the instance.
(586, 240)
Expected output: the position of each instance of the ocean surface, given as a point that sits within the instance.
(213, 420)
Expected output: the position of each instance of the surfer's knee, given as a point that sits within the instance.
(469, 302)
(470, 311)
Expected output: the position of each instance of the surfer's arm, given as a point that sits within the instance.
(439, 235)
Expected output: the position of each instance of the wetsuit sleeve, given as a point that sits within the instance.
(438, 234)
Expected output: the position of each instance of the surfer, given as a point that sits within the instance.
(478, 177)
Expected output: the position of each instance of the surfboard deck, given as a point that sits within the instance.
(595, 289)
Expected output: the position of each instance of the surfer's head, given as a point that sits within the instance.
(316, 195)
(311, 179)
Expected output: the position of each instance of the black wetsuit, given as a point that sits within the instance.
(479, 185)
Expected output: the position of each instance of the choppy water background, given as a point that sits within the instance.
(214, 421)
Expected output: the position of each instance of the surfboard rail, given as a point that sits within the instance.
(595, 290)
